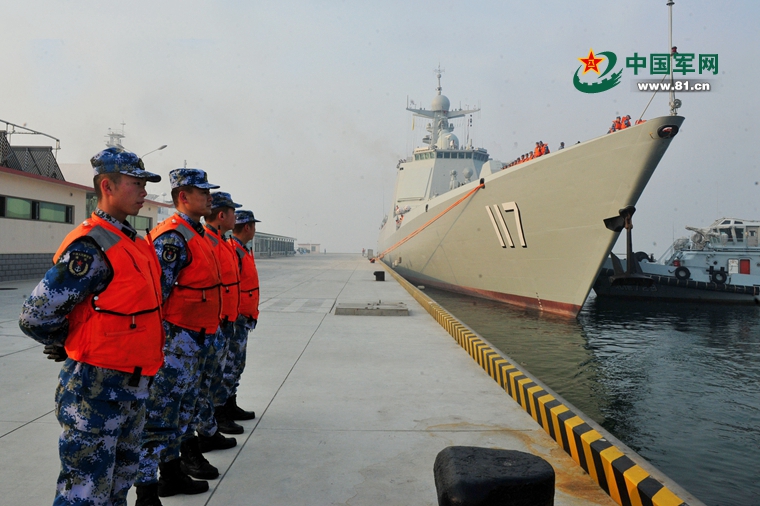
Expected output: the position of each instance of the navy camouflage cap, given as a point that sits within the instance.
(242, 217)
(223, 199)
(190, 177)
(115, 160)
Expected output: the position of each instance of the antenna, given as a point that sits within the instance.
(438, 73)
(674, 102)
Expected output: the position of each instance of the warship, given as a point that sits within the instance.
(531, 234)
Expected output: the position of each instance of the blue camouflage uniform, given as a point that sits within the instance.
(176, 387)
(235, 362)
(102, 416)
(204, 421)
(219, 390)
(95, 406)
(213, 376)
(101, 411)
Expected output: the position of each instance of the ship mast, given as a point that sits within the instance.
(114, 138)
(440, 113)
(674, 102)
(440, 117)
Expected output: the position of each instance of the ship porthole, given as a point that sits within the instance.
(682, 273)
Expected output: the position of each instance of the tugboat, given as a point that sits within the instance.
(719, 263)
(531, 234)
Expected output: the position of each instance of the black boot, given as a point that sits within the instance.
(194, 463)
(235, 412)
(173, 481)
(147, 495)
(224, 423)
(216, 442)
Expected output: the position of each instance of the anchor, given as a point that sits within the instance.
(633, 275)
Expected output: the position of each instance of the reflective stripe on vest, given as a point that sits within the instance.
(119, 328)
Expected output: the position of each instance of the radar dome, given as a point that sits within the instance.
(448, 141)
(440, 103)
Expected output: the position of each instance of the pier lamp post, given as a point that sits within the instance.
(157, 149)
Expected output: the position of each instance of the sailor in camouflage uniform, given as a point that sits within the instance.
(98, 309)
(210, 413)
(191, 289)
(243, 233)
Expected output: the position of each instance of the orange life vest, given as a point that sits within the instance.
(545, 149)
(537, 151)
(195, 301)
(249, 282)
(119, 328)
(618, 124)
(230, 274)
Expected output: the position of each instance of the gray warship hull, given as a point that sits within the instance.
(533, 234)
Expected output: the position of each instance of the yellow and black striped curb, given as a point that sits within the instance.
(625, 481)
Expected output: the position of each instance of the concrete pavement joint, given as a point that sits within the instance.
(27, 423)
(20, 351)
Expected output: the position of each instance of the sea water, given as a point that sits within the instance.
(679, 383)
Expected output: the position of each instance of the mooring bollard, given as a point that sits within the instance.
(379, 275)
(473, 476)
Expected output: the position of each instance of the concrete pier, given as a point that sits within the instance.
(350, 409)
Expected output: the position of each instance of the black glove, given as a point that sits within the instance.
(252, 323)
(55, 352)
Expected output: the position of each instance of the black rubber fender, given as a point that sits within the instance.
(719, 277)
(640, 256)
(682, 273)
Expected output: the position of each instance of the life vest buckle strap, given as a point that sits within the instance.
(134, 380)
(201, 337)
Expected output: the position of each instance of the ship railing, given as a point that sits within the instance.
(666, 257)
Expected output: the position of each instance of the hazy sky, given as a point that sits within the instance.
(298, 108)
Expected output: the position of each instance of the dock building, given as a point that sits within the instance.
(38, 206)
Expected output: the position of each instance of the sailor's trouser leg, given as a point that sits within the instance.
(204, 422)
(169, 411)
(218, 390)
(236, 356)
(98, 447)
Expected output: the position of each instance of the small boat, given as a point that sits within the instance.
(720, 263)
